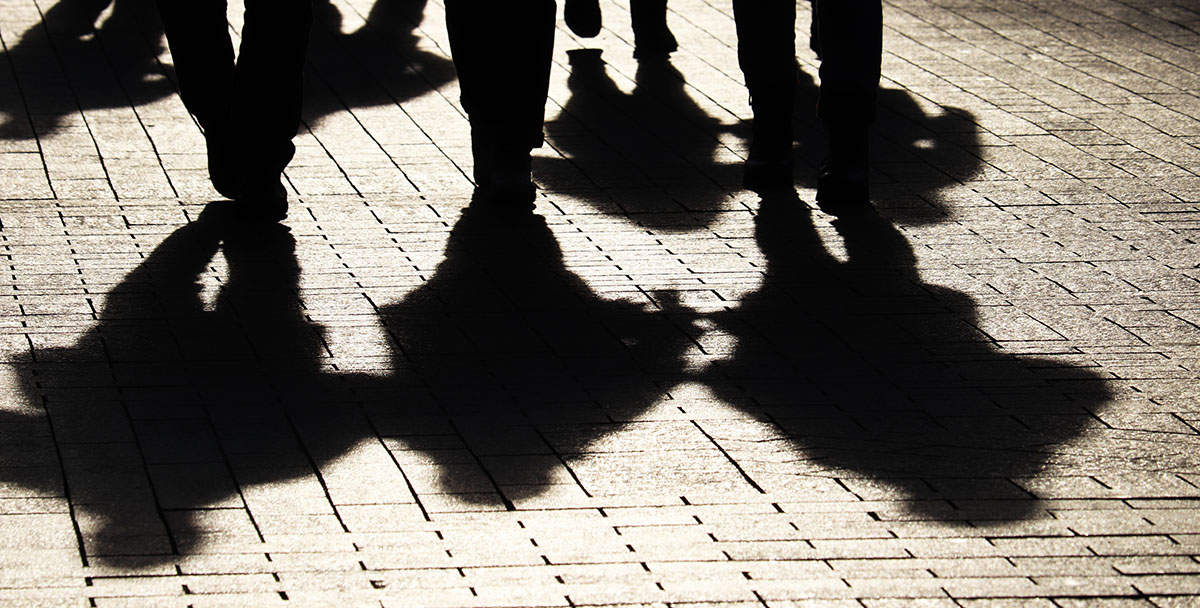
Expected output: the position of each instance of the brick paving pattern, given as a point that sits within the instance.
(656, 390)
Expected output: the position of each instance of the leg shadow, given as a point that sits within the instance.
(169, 408)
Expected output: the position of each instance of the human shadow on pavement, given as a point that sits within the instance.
(659, 151)
(378, 64)
(885, 382)
(509, 360)
(71, 61)
(655, 148)
(164, 410)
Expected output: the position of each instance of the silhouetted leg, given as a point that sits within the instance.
(651, 36)
(767, 55)
(267, 98)
(198, 36)
(502, 52)
(850, 34)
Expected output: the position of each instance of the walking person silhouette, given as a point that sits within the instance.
(249, 108)
(502, 53)
(847, 37)
(651, 36)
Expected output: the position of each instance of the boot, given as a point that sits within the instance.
(651, 36)
(842, 182)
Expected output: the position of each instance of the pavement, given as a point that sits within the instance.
(656, 390)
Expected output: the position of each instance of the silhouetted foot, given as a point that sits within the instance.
(583, 17)
(842, 183)
(222, 168)
(842, 195)
(772, 174)
(651, 36)
(262, 200)
(516, 196)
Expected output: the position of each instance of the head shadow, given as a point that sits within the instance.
(507, 366)
(654, 148)
(74, 60)
(888, 384)
(381, 63)
(174, 406)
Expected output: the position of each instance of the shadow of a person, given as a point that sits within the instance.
(70, 61)
(879, 380)
(378, 64)
(655, 145)
(507, 355)
(168, 406)
(916, 152)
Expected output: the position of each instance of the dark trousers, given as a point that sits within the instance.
(255, 104)
(502, 51)
(847, 36)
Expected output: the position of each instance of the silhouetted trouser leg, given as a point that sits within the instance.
(767, 55)
(250, 110)
(268, 85)
(850, 38)
(502, 51)
(850, 33)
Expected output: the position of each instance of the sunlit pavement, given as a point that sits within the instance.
(659, 389)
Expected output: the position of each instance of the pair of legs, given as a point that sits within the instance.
(847, 36)
(502, 52)
(651, 36)
(249, 109)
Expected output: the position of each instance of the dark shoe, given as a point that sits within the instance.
(651, 36)
(768, 175)
(511, 196)
(262, 200)
(842, 195)
(222, 167)
(503, 167)
(842, 182)
(583, 17)
(769, 166)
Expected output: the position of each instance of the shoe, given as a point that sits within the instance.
(767, 174)
(651, 36)
(503, 167)
(262, 200)
(583, 17)
(511, 196)
(769, 165)
(222, 168)
(842, 183)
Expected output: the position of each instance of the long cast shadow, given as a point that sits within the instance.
(71, 61)
(378, 64)
(874, 376)
(659, 151)
(509, 357)
(654, 147)
(168, 406)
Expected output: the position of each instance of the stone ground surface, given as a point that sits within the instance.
(658, 389)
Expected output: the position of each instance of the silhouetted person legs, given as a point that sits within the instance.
(849, 34)
(651, 36)
(250, 111)
(502, 52)
(849, 38)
